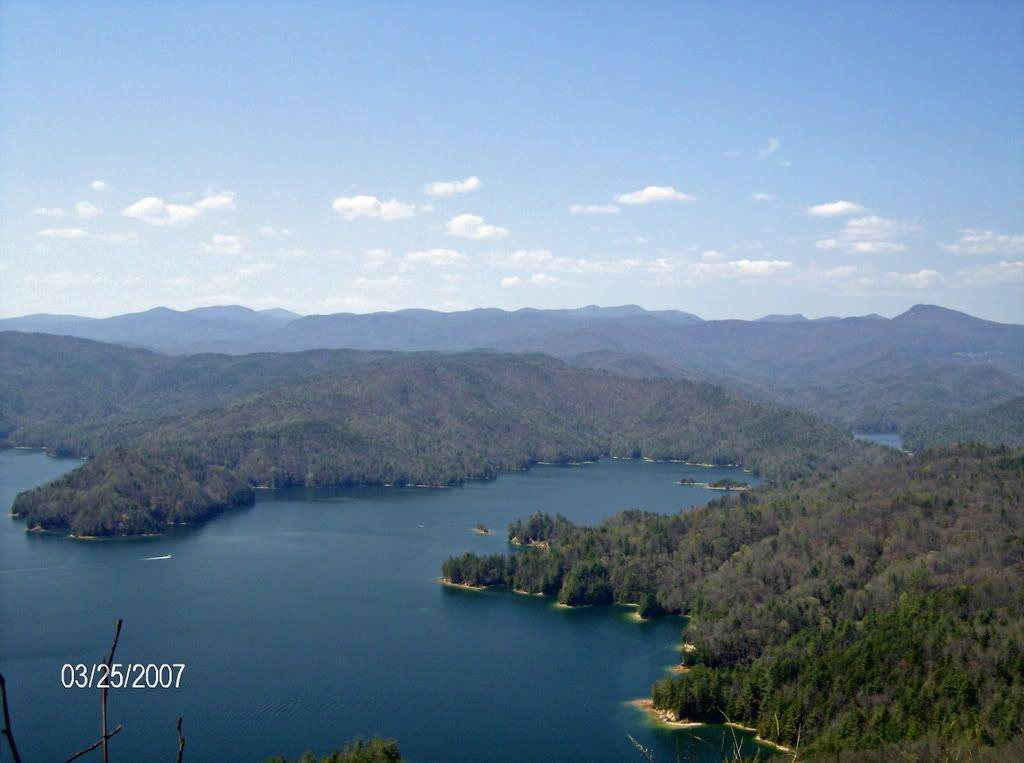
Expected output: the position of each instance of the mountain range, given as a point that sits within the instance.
(927, 365)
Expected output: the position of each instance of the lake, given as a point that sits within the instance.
(316, 615)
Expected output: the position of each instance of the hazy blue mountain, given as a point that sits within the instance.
(160, 328)
(238, 330)
(916, 369)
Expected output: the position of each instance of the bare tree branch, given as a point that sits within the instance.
(181, 740)
(7, 722)
(103, 696)
(94, 745)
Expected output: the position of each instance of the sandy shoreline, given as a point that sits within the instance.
(667, 719)
(662, 717)
(445, 581)
(758, 739)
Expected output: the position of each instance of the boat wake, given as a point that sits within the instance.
(155, 558)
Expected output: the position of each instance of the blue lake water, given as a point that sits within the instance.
(316, 615)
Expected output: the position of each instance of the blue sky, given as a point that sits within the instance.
(728, 159)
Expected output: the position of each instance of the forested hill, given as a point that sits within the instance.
(50, 383)
(1003, 423)
(806, 599)
(429, 420)
(912, 373)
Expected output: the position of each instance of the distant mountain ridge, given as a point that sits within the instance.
(233, 329)
(869, 372)
(160, 328)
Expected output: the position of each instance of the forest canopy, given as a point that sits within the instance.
(805, 599)
(420, 420)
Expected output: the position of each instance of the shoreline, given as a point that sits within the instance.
(445, 581)
(662, 717)
(666, 719)
(758, 739)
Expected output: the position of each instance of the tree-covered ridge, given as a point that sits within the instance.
(1003, 423)
(439, 420)
(52, 385)
(806, 599)
(137, 493)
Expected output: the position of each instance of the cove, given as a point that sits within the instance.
(316, 615)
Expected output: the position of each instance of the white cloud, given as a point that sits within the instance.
(774, 144)
(452, 187)
(64, 233)
(760, 196)
(48, 211)
(652, 193)
(223, 244)
(220, 200)
(594, 209)
(922, 279)
(99, 185)
(868, 235)
(693, 272)
(436, 257)
(79, 233)
(521, 258)
(294, 252)
(712, 255)
(639, 239)
(177, 282)
(543, 279)
(269, 230)
(981, 241)
(876, 228)
(834, 209)
(376, 258)
(473, 226)
(1000, 272)
(87, 209)
(759, 267)
(390, 283)
(154, 211)
(543, 260)
(353, 207)
(66, 280)
(510, 281)
(874, 247)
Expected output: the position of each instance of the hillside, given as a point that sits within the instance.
(50, 384)
(805, 599)
(915, 370)
(1002, 423)
(439, 420)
